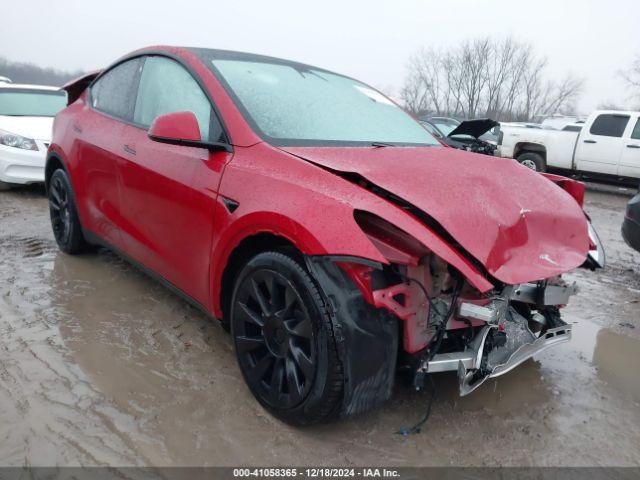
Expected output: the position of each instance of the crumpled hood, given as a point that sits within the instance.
(518, 224)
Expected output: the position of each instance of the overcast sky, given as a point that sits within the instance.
(370, 40)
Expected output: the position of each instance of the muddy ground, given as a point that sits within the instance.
(99, 365)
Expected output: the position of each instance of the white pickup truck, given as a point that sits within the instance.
(608, 144)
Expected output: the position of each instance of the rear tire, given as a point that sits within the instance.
(64, 215)
(532, 160)
(284, 340)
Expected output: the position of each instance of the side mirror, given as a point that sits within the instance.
(181, 128)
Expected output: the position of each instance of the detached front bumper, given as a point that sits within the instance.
(20, 166)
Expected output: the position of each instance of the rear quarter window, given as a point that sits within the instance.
(115, 92)
(609, 125)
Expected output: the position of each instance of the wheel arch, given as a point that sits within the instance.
(530, 147)
(54, 162)
(246, 248)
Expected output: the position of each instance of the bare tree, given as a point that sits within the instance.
(500, 78)
(631, 76)
(473, 60)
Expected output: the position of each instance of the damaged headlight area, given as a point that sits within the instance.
(446, 324)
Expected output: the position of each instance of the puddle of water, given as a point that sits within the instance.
(617, 359)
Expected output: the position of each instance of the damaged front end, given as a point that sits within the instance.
(420, 315)
(449, 327)
(477, 289)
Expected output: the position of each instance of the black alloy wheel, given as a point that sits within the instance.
(59, 208)
(274, 338)
(64, 217)
(283, 341)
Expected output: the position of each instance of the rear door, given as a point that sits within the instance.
(169, 192)
(600, 146)
(98, 130)
(630, 158)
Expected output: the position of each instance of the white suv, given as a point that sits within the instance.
(26, 119)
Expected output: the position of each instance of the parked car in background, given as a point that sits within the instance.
(477, 136)
(26, 119)
(631, 224)
(606, 146)
(321, 223)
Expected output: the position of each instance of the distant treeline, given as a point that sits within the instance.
(20, 72)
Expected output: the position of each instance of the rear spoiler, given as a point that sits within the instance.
(75, 87)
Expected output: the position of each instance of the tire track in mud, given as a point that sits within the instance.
(49, 413)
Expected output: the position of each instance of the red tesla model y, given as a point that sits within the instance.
(324, 226)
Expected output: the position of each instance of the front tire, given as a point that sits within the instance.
(64, 215)
(284, 340)
(532, 160)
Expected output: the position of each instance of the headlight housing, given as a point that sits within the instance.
(17, 141)
(394, 244)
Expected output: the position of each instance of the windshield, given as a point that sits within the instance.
(31, 103)
(289, 104)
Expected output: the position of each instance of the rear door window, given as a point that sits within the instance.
(609, 125)
(114, 92)
(167, 87)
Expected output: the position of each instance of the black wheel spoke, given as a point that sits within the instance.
(246, 344)
(56, 194)
(53, 204)
(260, 298)
(290, 301)
(299, 328)
(293, 382)
(257, 373)
(277, 380)
(301, 359)
(250, 315)
(270, 283)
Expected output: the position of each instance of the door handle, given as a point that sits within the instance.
(633, 146)
(129, 149)
(590, 141)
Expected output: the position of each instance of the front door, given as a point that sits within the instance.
(168, 192)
